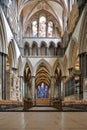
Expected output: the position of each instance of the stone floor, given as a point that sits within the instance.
(43, 121)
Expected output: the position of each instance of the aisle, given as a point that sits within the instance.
(43, 121)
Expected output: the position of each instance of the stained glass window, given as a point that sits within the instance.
(50, 29)
(42, 91)
(34, 28)
(42, 26)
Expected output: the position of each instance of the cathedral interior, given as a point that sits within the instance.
(43, 54)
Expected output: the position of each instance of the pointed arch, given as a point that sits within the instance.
(24, 61)
(35, 48)
(26, 49)
(45, 63)
(52, 48)
(60, 62)
(13, 50)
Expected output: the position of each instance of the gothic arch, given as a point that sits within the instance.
(61, 67)
(34, 48)
(43, 48)
(23, 66)
(12, 48)
(26, 49)
(52, 48)
(45, 63)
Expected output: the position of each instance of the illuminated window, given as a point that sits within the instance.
(34, 28)
(42, 91)
(50, 29)
(42, 26)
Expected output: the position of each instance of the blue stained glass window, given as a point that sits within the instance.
(42, 91)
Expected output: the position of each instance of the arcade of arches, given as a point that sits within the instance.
(43, 50)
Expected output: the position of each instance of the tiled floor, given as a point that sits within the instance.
(43, 121)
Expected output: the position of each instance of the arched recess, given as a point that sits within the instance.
(52, 49)
(26, 49)
(34, 49)
(60, 62)
(11, 61)
(24, 61)
(83, 33)
(13, 51)
(43, 49)
(27, 88)
(46, 64)
(42, 81)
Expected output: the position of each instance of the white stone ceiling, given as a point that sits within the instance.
(27, 8)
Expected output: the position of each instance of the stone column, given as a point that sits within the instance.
(62, 88)
(0, 76)
(3, 76)
(30, 51)
(47, 51)
(52, 87)
(38, 51)
(21, 88)
(83, 69)
(33, 89)
(55, 49)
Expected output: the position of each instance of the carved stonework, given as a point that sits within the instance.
(73, 18)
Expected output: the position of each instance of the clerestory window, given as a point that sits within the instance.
(42, 28)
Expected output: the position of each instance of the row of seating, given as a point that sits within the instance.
(27, 104)
(74, 102)
(7, 102)
(57, 104)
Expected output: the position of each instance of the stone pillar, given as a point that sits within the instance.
(0, 76)
(3, 76)
(47, 51)
(83, 69)
(38, 51)
(63, 88)
(55, 49)
(8, 84)
(33, 89)
(30, 51)
(52, 87)
(21, 88)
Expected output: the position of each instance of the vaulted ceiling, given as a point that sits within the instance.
(27, 8)
(42, 75)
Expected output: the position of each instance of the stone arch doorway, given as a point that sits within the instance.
(42, 85)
